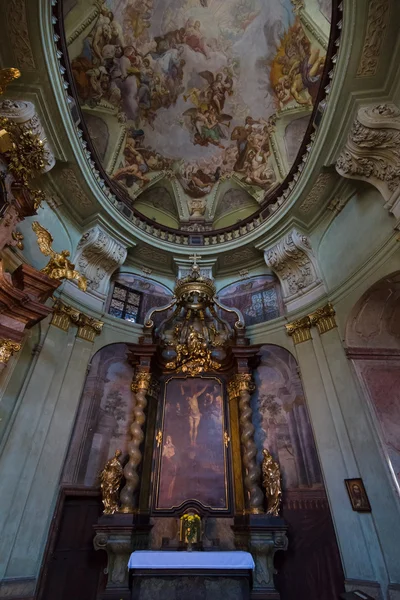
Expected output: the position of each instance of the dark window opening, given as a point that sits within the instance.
(125, 303)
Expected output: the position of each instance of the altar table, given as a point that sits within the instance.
(214, 575)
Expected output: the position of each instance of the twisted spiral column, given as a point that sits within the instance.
(140, 386)
(241, 386)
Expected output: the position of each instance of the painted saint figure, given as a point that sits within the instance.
(194, 414)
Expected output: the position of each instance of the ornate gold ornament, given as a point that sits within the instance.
(64, 315)
(227, 439)
(26, 156)
(7, 349)
(6, 77)
(159, 438)
(89, 327)
(324, 318)
(18, 237)
(195, 337)
(110, 481)
(141, 381)
(300, 330)
(58, 267)
(190, 530)
(271, 477)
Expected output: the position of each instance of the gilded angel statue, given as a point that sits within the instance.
(272, 483)
(110, 480)
(59, 266)
(6, 77)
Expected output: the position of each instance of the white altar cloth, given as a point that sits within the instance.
(153, 559)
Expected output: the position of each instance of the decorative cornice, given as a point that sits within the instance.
(372, 152)
(294, 263)
(324, 318)
(7, 349)
(300, 330)
(378, 13)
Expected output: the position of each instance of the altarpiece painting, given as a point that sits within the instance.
(192, 443)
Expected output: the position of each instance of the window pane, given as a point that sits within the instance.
(119, 293)
(115, 312)
(133, 298)
(117, 304)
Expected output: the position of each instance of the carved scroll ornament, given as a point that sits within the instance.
(98, 255)
(372, 152)
(294, 263)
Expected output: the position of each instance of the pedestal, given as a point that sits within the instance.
(263, 536)
(119, 535)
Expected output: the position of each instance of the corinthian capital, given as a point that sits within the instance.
(98, 255)
(372, 152)
(295, 264)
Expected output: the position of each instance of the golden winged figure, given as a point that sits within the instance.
(59, 266)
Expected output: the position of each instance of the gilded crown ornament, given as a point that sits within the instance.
(59, 266)
(195, 337)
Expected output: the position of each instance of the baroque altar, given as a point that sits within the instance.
(192, 479)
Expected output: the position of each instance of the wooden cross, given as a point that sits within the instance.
(194, 258)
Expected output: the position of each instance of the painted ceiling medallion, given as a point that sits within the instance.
(197, 98)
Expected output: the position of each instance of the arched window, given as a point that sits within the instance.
(258, 298)
(132, 296)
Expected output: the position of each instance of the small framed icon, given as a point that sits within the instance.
(358, 495)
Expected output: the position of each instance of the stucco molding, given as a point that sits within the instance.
(378, 12)
(98, 255)
(293, 261)
(372, 152)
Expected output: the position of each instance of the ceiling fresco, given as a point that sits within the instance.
(197, 97)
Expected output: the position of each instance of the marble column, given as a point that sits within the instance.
(140, 388)
(241, 386)
(360, 551)
(381, 527)
(34, 452)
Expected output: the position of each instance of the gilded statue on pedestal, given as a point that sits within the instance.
(110, 481)
(272, 483)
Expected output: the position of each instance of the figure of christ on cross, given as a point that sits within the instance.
(194, 413)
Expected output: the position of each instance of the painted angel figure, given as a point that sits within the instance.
(272, 483)
(217, 89)
(59, 265)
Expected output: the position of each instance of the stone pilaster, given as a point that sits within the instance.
(362, 559)
(140, 388)
(240, 387)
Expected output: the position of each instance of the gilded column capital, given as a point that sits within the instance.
(300, 330)
(7, 349)
(141, 381)
(324, 318)
(88, 328)
(240, 382)
(64, 315)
